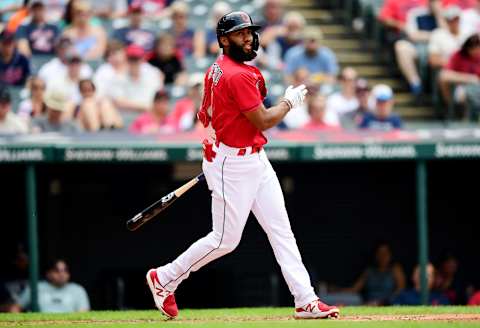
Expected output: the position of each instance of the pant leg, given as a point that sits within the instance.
(269, 209)
(232, 198)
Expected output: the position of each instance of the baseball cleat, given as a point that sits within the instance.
(164, 299)
(316, 310)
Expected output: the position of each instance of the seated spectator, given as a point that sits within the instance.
(55, 10)
(382, 280)
(135, 33)
(463, 69)
(96, 112)
(114, 67)
(187, 40)
(393, 15)
(9, 122)
(69, 81)
(57, 117)
(271, 21)
(300, 116)
(14, 67)
(88, 40)
(290, 36)
(153, 9)
(167, 60)
(412, 296)
(471, 19)
(320, 61)
(354, 118)
(57, 294)
(317, 111)
(218, 10)
(58, 66)
(155, 120)
(344, 101)
(183, 114)
(447, 280)
(135, 90)
(34, 105)
(382, 118)
(444, 41)
(421, 21)
(37, 37)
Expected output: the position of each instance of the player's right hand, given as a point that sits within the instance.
(295, 96)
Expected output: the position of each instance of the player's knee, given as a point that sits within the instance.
(228, 246)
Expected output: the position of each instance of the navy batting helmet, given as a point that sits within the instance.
(235, 21)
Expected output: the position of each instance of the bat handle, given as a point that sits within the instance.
(200, 177)
(180, 191)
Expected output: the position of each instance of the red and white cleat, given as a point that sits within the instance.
(164, 299)
(316, 310)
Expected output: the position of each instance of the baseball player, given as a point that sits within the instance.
(239, 173)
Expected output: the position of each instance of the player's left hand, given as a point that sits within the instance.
(295, 96)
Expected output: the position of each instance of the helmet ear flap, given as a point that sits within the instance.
(256, 41)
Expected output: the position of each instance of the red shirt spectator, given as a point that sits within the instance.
(464, 4)
(396, 10)
(464, 64)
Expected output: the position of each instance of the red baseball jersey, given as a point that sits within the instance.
(232, 89)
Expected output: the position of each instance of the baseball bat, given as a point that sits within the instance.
(153, 210)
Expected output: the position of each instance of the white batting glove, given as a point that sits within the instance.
(294, 97)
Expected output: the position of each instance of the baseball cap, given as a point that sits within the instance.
(4, 95)
(56, 99)
(134, 51)
(452, 12)
(160, 95)
(382, 92)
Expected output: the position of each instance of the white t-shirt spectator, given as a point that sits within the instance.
(298, 117)
(141, 90)
(444, 43)
(338, 105)
(55, 67)
(470, 22)
(12, 124)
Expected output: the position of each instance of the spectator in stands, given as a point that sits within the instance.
(218, 10)
(155, 120)
(345, 101)
(109, 9)
(188, 41)
(299, 117)
(34, 105)
(54, 10)
(14, 67)
(7, 8)
(272, 21)
(421, 21)
(37, 37)
(134, 33)
(135, 90)
(57, 118)
(96, 112)
(320, 61)
(88, 40)
(57, 66)
(412, 296)
(57, 294)
(290, 36)
(353, 119)
(471, 19)
(393, 15)
(463, 69)
(317, 112)
(183, 114)
(168, 61)
(447, 280)
(382, 118)
(69, 81)
(9, 122)
(114, 67)
(381, 280)
(153, 9)
(444, 41)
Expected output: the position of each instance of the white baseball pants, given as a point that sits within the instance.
(241, 184)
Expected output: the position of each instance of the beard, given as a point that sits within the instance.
(238, 54)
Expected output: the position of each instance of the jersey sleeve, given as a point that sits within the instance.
(244, 91)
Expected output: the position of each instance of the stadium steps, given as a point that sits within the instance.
(353, 50)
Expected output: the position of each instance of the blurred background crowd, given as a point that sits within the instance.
(137, 65)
